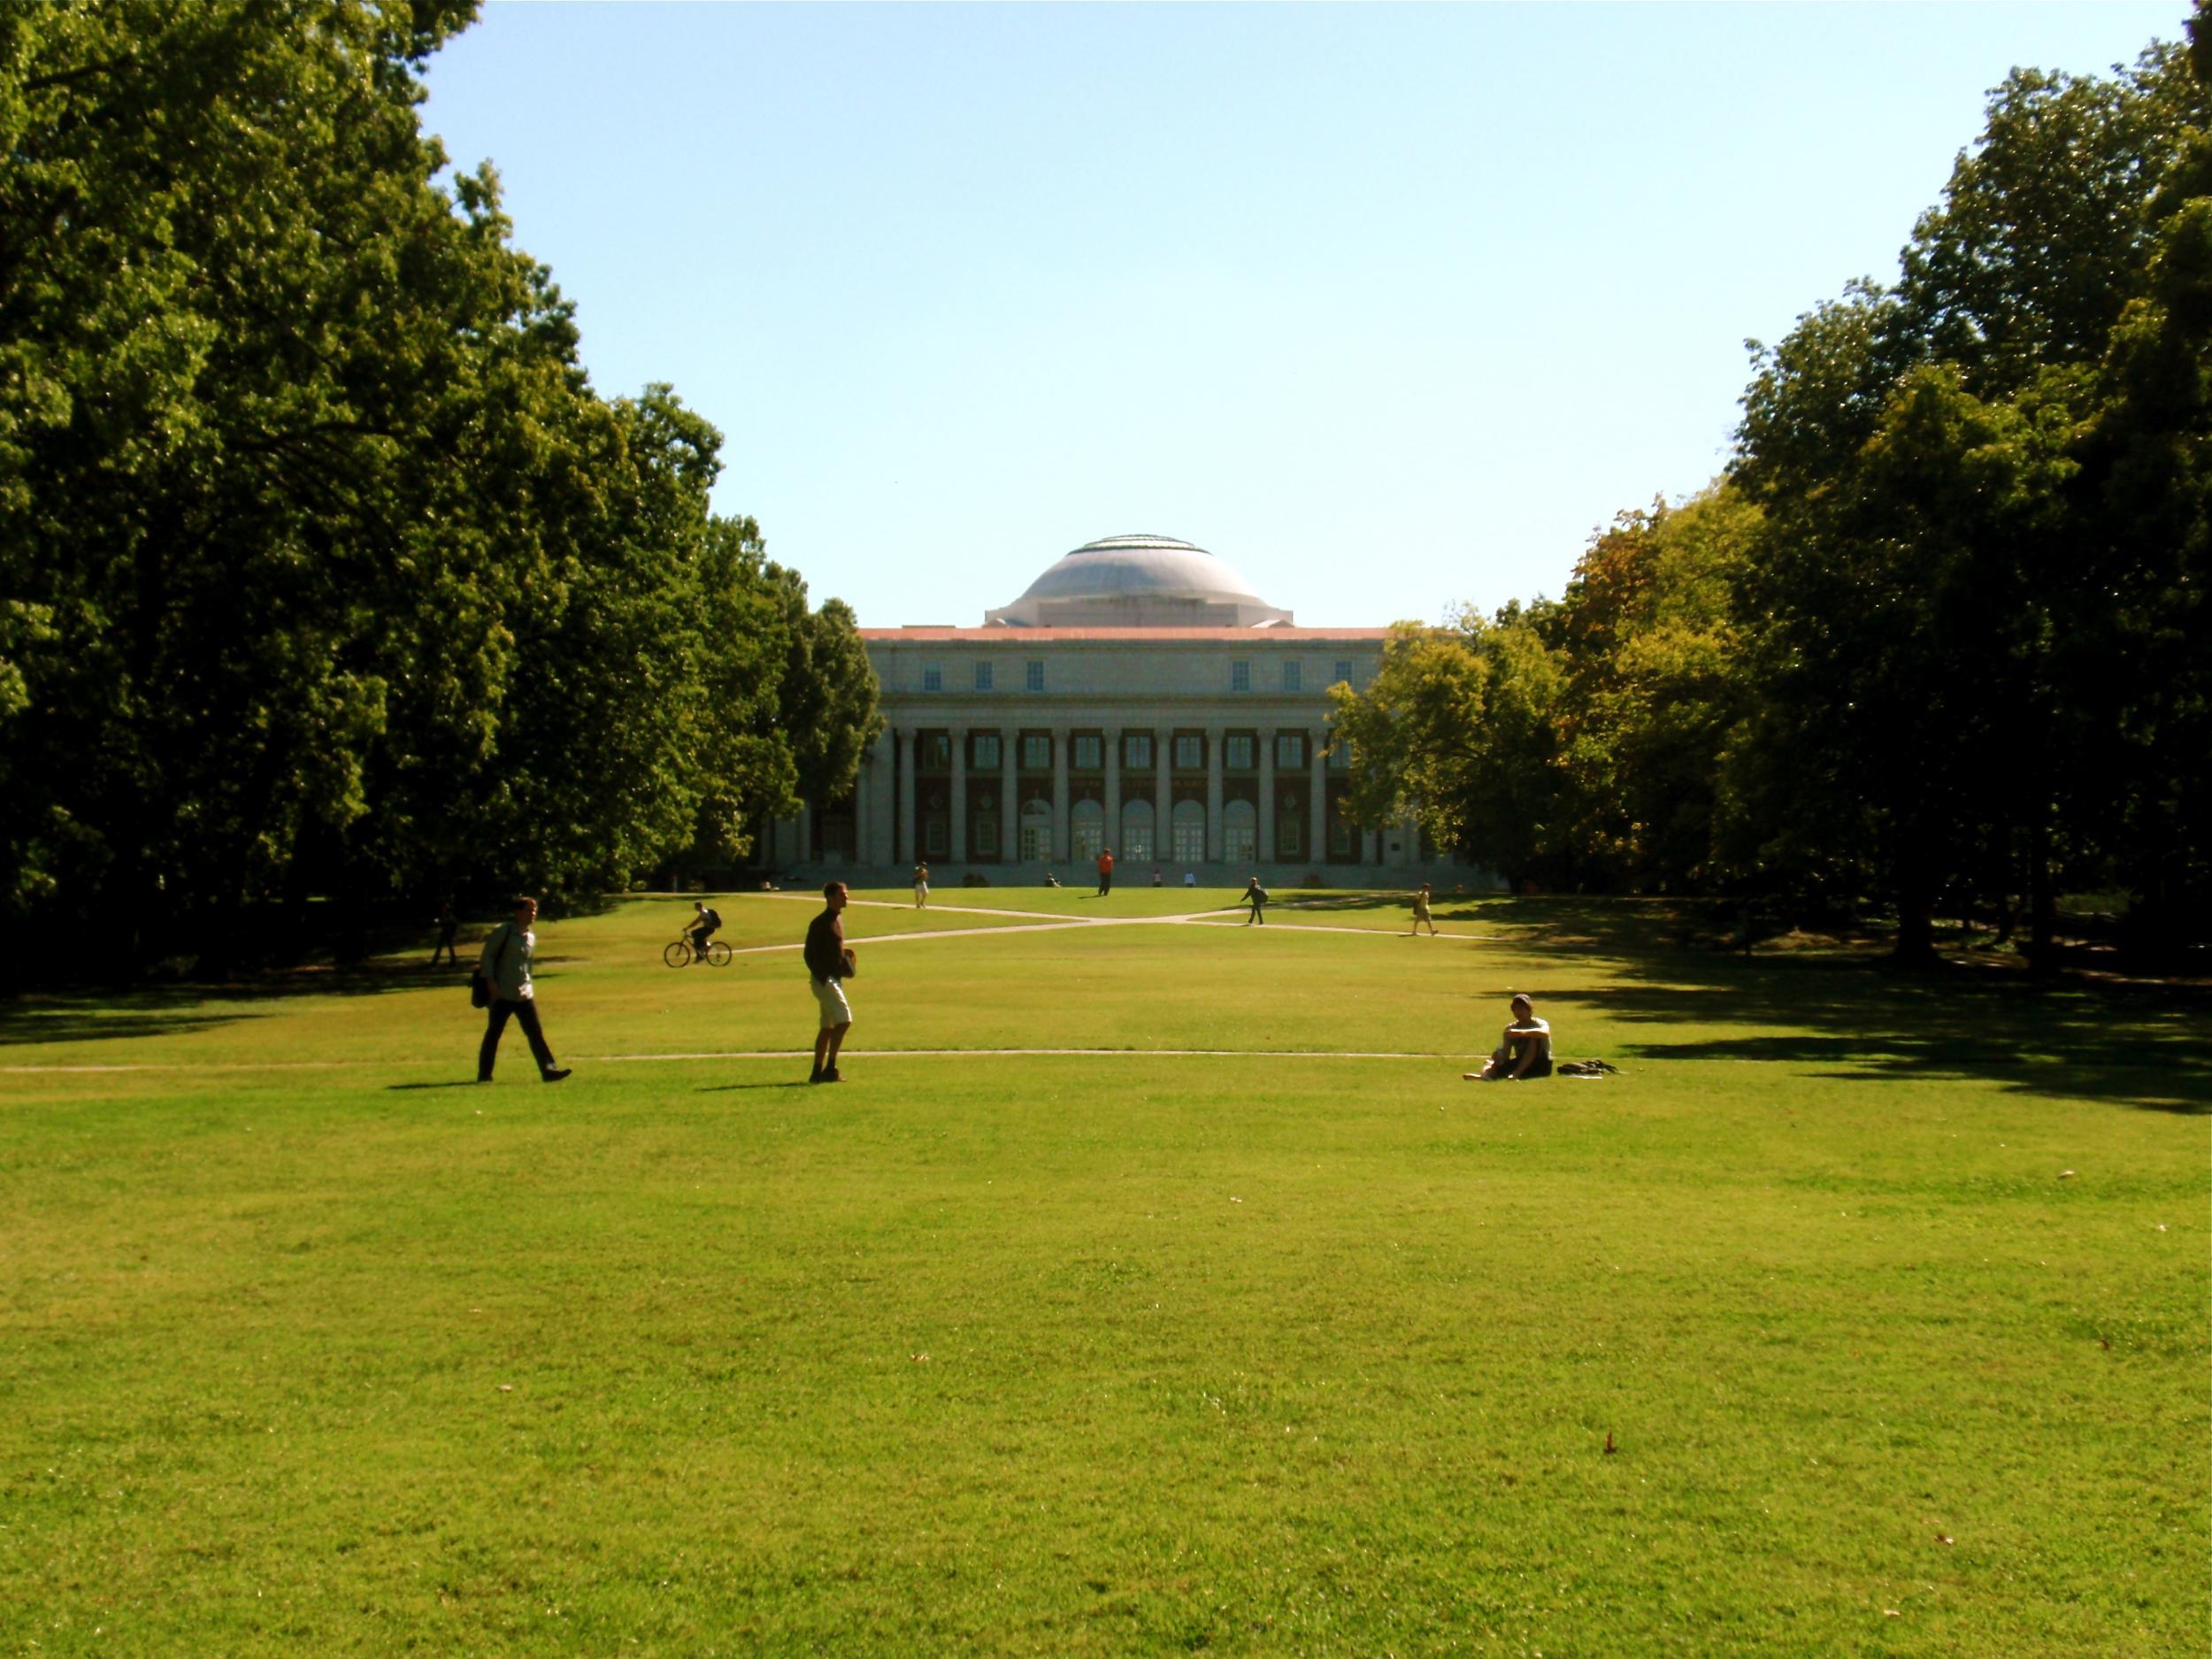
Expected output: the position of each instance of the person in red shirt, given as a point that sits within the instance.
(1105, 872)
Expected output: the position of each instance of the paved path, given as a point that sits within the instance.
(690, 1057)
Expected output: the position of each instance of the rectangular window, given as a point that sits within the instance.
(1035, 680)
(1190, 838)
(935, 838)
(1339, 839)
(1236, 752)
(983, 676)
(1087, 837)
(1190, 752)
(1343, 671)
(1292, 674)
(1239, 676)
(986, 835)
(1090, 753)
(933, 677)
(1136, 750)
(987, 751)
(1036, 751)
(1237, 842)
(1290, 749)
(1036, 842)
(1340, 755)
(1289, 842)
(936, 751)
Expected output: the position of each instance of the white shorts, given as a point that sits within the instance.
(921, 889)
(835, 1010)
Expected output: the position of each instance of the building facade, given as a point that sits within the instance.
(1140, 697)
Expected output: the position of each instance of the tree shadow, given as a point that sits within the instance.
(177, 1007)
(2143, 1047)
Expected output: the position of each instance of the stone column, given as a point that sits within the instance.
(1059, 794)
(1215, 852)
(907, 847)
(805, 830)
(1266, 740)
(1318, 776)
(1112, 739)
(1164, 799)
(960, 851)
(1010, 791)
(1369, 847)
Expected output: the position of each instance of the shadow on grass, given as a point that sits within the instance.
(724, 1088)
(171, 1010)
(2132, 1046)
(457, 1083)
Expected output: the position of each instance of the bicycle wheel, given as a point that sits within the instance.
(717, 953)
(677, 955)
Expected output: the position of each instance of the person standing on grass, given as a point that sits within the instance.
(505, 965)
(1255, 896)
(1105, 872)
(449, 924)
(921, 886)
(1526, 1052)
(826, 966)
(1421, 912)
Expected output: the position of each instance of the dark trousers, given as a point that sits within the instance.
(524, 1015)
(1105, 883)
(445, 943)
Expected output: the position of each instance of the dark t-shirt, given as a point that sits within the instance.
(825, 946)
(710, 920)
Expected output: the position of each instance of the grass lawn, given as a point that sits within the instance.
(1858, 1316)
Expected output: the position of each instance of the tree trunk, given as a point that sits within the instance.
(2043, 902)
(1916, 931)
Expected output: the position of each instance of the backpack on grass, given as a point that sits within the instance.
(1586, 1068)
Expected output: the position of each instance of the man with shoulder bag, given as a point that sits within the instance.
(502, 984)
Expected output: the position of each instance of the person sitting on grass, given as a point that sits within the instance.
(1526, 1052)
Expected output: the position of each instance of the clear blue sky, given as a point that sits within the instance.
(1388, 306)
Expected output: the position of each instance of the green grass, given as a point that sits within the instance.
(308, 1346)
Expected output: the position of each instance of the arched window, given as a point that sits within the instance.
(1086, 830)
(1240, 831)
(1036, 831)
(1136, 831)
(1188, 822)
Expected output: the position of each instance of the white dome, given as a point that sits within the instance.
(1139, 581)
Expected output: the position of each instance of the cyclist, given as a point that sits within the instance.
(701, 930)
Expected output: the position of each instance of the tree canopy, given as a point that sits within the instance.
(322, 567)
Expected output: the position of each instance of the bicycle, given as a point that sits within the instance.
(680, 954)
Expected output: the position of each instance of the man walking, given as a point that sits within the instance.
(505, 965)
(827, 964)
(449, 924)
(1105, 872)
(1255, 896)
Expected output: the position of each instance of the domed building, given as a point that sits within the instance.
(1140, 695)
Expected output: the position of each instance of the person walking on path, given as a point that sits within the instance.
(1255, 896)
(1421, 912)
(1105, 872)
(1526, 1051)
(921, 886)
(505, 966)
(449, 924)
(827, 964)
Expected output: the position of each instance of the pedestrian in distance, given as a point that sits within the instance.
(505, 965)
(1156, 877)
(1525, 1050)
(1105, 872)
(921, 886)
(1421, 912)
(1254, 895)
(449, 924)
(828, 963)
